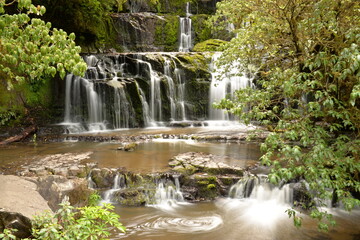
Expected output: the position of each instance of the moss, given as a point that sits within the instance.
(227, 181)
(131, 197)
(207, 187)
(166, 32)
(197, 63)
(186, 171)
(210, 45)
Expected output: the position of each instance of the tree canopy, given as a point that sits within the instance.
(305, 58)
(31, 53)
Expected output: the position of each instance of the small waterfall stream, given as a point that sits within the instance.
(185, 31)
(119, 183)
(258, 188)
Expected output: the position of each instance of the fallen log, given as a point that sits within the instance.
(27, 131)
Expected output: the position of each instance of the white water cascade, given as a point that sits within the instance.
(86, 99)
(185, 31)
(259, 188)
(171, 88)
(168, 194)
(224, 86)
(259, 202)
(119, 183)
(145, 107)
(181, 93)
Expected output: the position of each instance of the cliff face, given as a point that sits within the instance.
(150, 30)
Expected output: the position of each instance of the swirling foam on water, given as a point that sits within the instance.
(179, 225)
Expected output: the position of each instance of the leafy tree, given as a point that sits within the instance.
(31, 53)
(306, 57)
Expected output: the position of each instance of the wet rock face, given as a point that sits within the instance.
(302, 197)
(11, 220)
(138, 32)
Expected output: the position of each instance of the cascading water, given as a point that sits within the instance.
(260, 189)
(221, 87)
(168, 194)
(181, 93)
(140, 89)
(260, 202)
(119, 183)
(100, 86)
(145, 107)
(185, 31)
(171, 88)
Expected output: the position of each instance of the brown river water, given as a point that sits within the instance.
(223, 219)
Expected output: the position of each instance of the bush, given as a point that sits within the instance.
(92, 222)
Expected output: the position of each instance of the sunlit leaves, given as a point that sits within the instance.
(29, 48)
(92, 222)
(307, 91)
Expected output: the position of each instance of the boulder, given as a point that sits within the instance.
(12, 220)
(55, 188)
(192, 162)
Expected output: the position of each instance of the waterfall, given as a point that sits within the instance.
(176, 90)
(119, 183)
(91, 183)
(257, 202)
(142, 89)
(171, 89)
(145, 108)
(181, 93)
(185, 31)
(222, 87)
(98, 101)
(168, 194)
(259, 188)
(155, 95)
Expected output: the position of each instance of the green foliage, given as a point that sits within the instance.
(306, 55)
(91, 222)
(31, 53)
(166, 32)
(200, 27)
(8, 234)
(94, 199)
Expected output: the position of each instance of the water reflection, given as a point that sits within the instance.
(148, 156)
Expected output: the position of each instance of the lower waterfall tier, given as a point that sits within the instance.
(144, 90)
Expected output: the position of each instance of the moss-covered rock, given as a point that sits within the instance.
(195, 65)
(210, 45)
(131, 197)
(167, 32)
(207, 186)
(103, 178)
(128, 147)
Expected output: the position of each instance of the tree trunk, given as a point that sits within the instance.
(30, 130)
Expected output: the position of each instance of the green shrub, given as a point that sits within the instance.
(92, 222)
